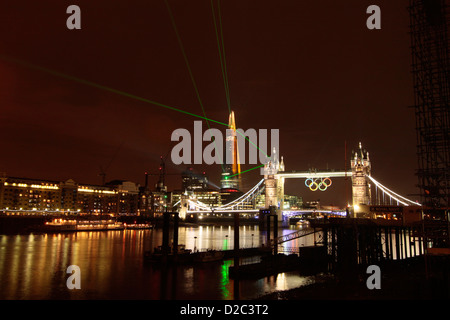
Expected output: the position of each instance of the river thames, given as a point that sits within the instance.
(33, 266)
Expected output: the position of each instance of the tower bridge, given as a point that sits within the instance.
(272, 185)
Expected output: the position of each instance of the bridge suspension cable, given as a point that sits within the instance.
(248, 196)
(392, 194)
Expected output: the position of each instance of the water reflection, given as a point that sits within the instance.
(112, 267)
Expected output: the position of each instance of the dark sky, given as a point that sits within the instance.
(311, 69)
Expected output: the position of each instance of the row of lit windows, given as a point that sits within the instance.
(37, 186)
(13, 185)
(16, 191)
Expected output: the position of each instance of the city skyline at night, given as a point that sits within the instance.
(315, 72)
(180, 152)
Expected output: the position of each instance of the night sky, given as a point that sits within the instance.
(311, 69)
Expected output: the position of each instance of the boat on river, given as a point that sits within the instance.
(75, 225)
(137, 226)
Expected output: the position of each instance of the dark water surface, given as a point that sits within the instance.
(33, 266)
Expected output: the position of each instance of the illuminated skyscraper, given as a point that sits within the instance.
(231, 178)
(192, 181)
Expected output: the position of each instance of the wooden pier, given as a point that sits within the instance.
(353, 244)
(345, 246)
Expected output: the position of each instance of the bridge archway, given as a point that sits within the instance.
(360, 174)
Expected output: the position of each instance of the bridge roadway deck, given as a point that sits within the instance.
(314, 174)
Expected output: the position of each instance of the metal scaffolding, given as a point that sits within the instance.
(430, 69)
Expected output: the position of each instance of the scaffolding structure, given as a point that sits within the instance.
(430, 69)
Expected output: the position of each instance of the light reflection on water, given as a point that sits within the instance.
(34, 266)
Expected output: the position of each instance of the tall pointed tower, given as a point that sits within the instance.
(231, 178)
(361, 167)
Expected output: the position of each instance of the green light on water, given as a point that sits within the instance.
(225, 244)
(225, 279)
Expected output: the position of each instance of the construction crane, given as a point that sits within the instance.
(161, 184)
(103, 171)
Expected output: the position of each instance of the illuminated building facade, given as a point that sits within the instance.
(290, 202)
(36, 196)
(18, 194)
(211, 197)
(192, 181)
(127, 194)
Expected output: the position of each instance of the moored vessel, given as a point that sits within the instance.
(74, 225)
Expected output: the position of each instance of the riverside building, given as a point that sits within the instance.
(26, 196)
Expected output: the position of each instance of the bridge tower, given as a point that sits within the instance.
(184, 205)
(360, 164)
(274, 187)
(280, 188)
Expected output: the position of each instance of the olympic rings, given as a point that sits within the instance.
(328, 184)
(319, 183)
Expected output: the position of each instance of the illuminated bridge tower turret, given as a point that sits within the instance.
(280, 188)
(361, 168)
(274, 186)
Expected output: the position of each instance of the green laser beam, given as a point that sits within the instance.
(180, 43)
(223, 53)
(245, 171)
(115, 91)
(105, 88)
(225, 84)
(223, 64)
